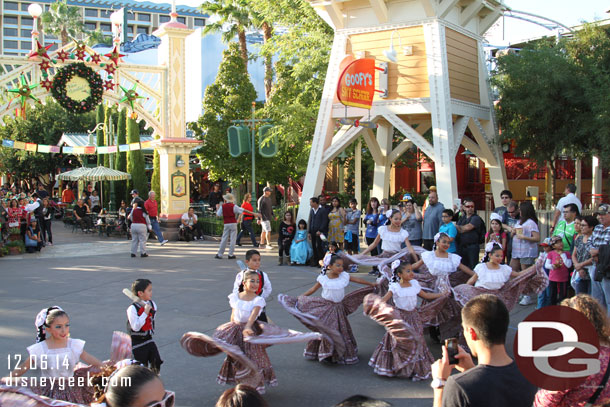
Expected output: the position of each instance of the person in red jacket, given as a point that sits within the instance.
(230, 212)
(152, 208)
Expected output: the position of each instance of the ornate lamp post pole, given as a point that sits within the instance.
(35, 11)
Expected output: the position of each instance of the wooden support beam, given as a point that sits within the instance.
(472, 146)
(429, 7)
(334, 12)
(407, 143)
(471, 12)
(445, 7)
(410, 133)
(344, 137)
(459, 127)
(380, 9)
(374, 148)
(486, 154)
(488, 21)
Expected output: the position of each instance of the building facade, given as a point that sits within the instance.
(142, 18)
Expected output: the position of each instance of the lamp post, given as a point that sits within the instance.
(35, 11)
(252, 123)
(253, 199)
(111, 141)
(116, 19)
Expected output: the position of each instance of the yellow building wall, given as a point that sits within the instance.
(407, 78)
(463, 62)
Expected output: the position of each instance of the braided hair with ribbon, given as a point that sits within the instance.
(491, 248)
(45, 318)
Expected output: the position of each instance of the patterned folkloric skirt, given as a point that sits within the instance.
(402, 351)
(334, 316)
(531, 280)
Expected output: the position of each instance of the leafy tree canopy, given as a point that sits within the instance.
(543, 105)
(45, 124)
(229, 98)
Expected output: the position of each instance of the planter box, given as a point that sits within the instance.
(12, 238)
(14, 250)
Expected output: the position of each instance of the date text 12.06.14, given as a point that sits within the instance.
(42, 362)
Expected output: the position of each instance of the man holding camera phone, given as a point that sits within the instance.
(493, 381)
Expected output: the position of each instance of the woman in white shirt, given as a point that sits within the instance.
(403, 351)
(332, 309)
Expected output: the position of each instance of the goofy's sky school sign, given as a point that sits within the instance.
(356, 85)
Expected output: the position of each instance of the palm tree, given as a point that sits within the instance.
(63, 21)
(267, 34)
(234, 15)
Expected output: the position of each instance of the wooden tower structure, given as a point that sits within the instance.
(437, 79)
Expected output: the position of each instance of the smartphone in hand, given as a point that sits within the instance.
(452, 350)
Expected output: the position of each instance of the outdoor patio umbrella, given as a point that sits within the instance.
(103, 174)
(94, 174)
(71, 175)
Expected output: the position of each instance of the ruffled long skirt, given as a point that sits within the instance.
(402, 351)
(341, 348)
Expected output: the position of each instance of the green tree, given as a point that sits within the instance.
(135, 160)
(120, 161)
(301, 55)
(229, 98)
(99, 118)
(590, 49)
(234, 20)
(542, 105)
(45, 124)
(64, 22)
(155, 182)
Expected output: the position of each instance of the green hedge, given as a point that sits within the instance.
(213, 226)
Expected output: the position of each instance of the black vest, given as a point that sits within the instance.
(142, 334)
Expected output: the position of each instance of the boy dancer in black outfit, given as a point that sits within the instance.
(141, 325)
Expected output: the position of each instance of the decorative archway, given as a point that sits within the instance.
(159, 102)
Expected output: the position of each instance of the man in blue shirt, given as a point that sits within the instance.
(449, 229)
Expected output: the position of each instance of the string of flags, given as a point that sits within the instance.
(80, 150)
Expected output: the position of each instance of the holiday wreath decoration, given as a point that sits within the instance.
(77, 87)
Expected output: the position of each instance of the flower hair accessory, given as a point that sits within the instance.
(42, 315)
(490, 246)
(395, 264)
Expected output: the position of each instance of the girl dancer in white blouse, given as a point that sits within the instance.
(403, 352)
(332, 310)
(56, 356)
(441, 266)
(492, 277)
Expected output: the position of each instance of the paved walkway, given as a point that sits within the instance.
(85, 274)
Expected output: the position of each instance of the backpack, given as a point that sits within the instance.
(482, 230)
(602, 270)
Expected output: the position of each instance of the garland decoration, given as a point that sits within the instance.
(64, 75)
